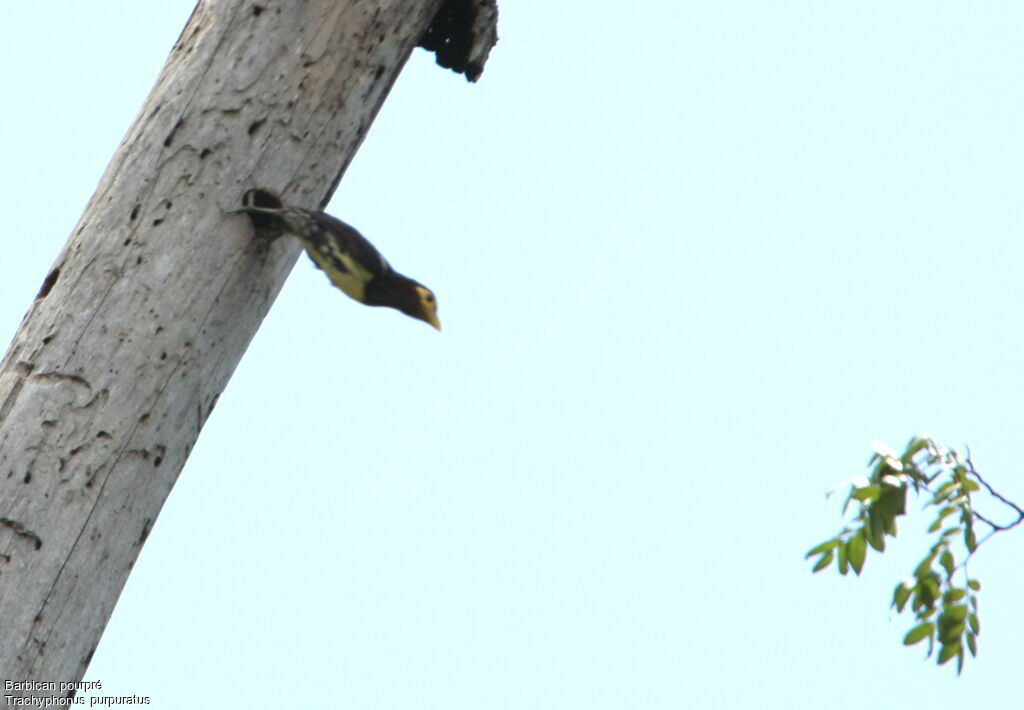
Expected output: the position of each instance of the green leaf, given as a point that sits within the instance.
(948, 651)
(974, 584)
(954, 595)
(823, 547)
(946, 560)
(866, 493)
(914, 446)
(900, 596)
(900, 497)
(929, 587)
(943, 492)
(875, 532)
(844, 558)
(824, 562)
(972, 621)
(892, 503)
(941, 517)
(950, 634)
(919, 633)
(951, 622)
(925, 568)
(972, 645)
(857, 552)
(970, 541)
(955, 612)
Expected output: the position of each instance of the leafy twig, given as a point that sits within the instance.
(881, 497)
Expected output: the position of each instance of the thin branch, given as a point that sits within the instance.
(992, 492)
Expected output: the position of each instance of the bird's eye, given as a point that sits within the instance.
(429, 298)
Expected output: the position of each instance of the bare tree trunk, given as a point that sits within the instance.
(158, 292)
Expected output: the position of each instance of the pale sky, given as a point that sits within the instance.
(691, 260)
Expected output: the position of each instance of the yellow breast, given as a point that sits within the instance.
(343, 271)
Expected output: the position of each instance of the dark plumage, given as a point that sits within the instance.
(349, 260)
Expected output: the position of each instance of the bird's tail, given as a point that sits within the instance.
(265, 210)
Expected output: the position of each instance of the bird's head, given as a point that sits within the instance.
(404, 294)
(424, 306)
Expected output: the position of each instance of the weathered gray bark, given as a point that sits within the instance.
(158, 292)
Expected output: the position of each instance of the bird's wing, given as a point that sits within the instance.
(322, 228)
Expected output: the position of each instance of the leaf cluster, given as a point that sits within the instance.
(941, 594)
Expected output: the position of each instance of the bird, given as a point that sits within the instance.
(350, 261)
